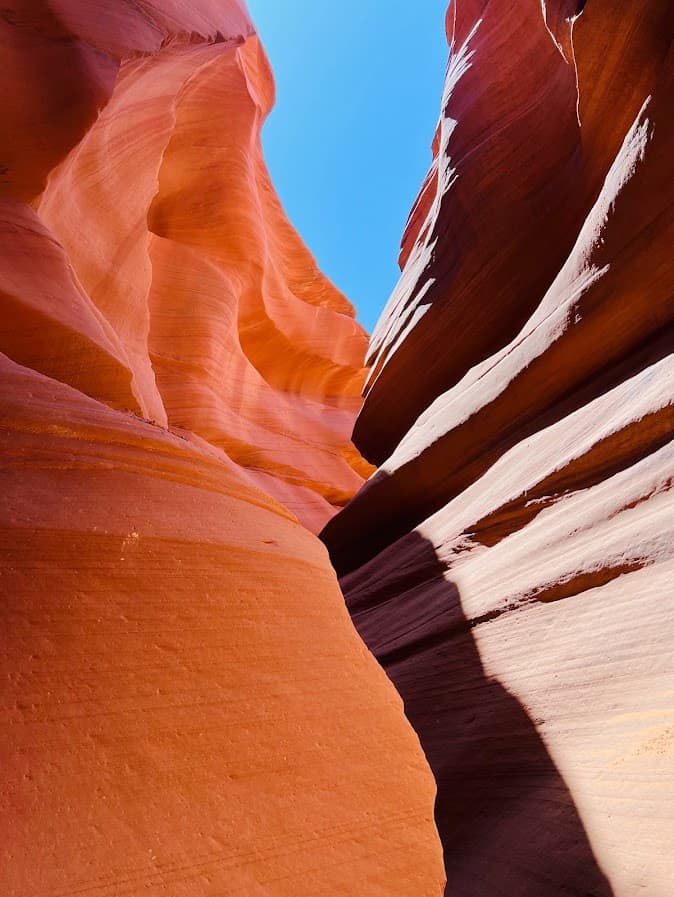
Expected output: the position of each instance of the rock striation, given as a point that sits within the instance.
(510, 563)
(177, 288)
(186, 708)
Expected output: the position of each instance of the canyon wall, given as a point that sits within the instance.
(186, 707)
(511, 562)
(172, 284)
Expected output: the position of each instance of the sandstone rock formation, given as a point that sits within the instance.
(511, 561)
(179, 290)
(186, 707)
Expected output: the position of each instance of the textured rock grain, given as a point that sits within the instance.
(511, 561)
(185, 707)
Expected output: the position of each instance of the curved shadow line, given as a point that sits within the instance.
(506, 817)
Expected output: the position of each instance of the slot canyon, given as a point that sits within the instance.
(292, 611)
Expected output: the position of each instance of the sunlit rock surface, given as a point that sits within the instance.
(511, 563)
(171, 266)
(186, 707)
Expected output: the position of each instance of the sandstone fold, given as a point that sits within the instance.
(138, 164)
(186, 707)
(510, 562)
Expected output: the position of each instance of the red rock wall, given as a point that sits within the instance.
(186, 708)
(175, 271)
(511, 561)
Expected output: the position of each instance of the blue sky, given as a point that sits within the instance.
(348, 144)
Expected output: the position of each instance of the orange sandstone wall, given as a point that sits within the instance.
(172, 268)
(511, 563)
(186, 708)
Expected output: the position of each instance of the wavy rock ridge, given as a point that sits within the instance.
(187, 298)
(178, 381)
(510, 563)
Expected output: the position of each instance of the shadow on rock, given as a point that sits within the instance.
(507, 820)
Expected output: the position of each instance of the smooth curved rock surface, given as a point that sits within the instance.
(186, 708)
(510, 563)
(161, 227)
(176, 714)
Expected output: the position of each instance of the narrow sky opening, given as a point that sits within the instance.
(348, 144)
